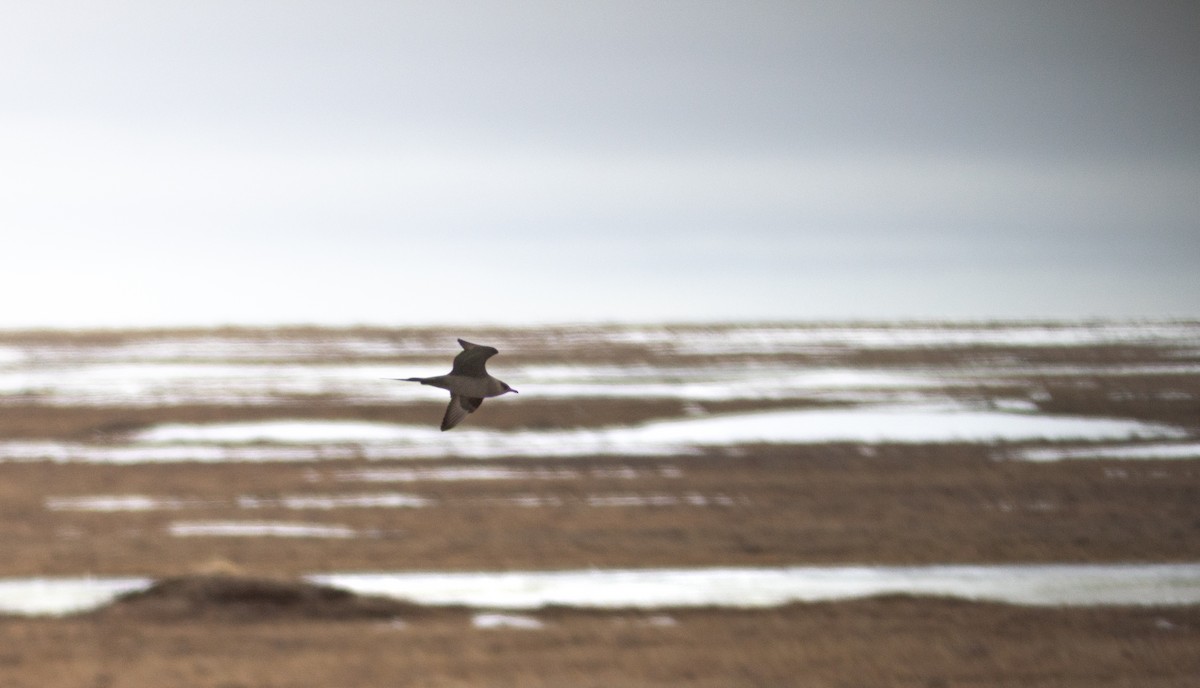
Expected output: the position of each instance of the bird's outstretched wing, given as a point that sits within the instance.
(470, 362)
(459, 408)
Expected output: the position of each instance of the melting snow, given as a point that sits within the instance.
(946, 423)
(149, 369)
(766, 587)
(58, 596)
(68, 452)
(1050, 584)
(455, 474)
(116, 503)
(10, 355)
(318, 440)
(258, 529)
(636, 500)
(296, 432)
(390, 500)
(798, 339)
(385, 500)
(493, 620)
(1187, 450)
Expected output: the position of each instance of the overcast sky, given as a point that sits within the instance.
(399, 162)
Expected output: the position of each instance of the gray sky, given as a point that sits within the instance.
(405, 162)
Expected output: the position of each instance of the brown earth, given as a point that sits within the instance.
(893, 641)
(764, 505)
(827, 504)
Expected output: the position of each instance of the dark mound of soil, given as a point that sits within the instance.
(242, 598)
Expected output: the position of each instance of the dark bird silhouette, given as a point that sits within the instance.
(468, 382)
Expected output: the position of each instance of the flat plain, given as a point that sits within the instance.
(267, 454)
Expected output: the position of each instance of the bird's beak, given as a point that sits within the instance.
(513, 390)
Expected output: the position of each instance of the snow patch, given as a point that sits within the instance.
(494, 620)
(1038, 585)
(258, 529)
(1186, 450)
(1085, 584)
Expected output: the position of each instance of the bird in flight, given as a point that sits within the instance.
(468, 382)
